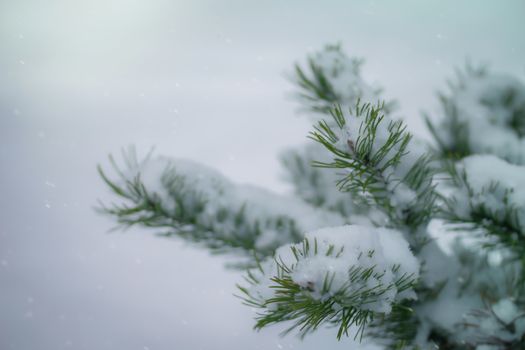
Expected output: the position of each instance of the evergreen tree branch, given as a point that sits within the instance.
(483, 113)
(497, 216)
(378, 164)
(346, 296)
(318, 186)
(331, 77)
(203, 207)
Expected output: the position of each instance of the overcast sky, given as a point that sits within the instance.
(198, 79)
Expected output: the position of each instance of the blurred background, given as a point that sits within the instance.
(204, 80)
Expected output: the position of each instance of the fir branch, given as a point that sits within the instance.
(310, 305)
(482, 113)
(503, 224)
(499, 320)
(331, 77)
(458, 145)
(371, 154)
(398, 329)
(184, 212)
(314, 85)
(317, 186)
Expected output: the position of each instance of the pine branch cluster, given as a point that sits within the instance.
(359, 247)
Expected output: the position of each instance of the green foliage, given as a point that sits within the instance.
(376, 164)
(495, 282)
(314, 84)
(458, 145)
(316, 87)
(503, 105)
(225, 229)
(372, 158)
(300, 169)
(318, 81)
(398, 329)
(317, 186)
(452, 133)
(503, 225)
(311, 306)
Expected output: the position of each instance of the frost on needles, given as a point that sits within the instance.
(359, 246)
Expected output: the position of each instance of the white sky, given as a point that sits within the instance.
(197, 79)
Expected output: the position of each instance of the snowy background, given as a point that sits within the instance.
(198, 79)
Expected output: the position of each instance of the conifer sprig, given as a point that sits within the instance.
(482, 113)
(183, 212)
(317, 186)
(310, 306)
(371, 292)
(503, 224)
(373, 157)
(314, 84)
(331, 77)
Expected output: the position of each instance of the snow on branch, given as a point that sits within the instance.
(345, 276)
(379, 162)
(369, 172)
(484, 113)
(199, 204)
(314, 185)
(490, 195)
(331, 77)
(491, 283)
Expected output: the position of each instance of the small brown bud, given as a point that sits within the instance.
(350, 145)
